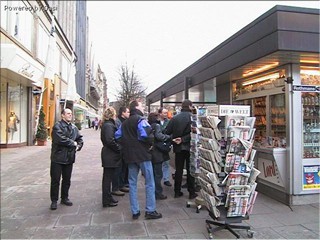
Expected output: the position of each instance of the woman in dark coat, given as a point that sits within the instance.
(157, 156)
(110, 155)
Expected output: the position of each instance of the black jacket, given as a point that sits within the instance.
(134, 148)
(180, 126)
(63, 136)
(157, 155)
(110, 152)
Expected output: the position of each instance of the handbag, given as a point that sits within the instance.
(164, 147)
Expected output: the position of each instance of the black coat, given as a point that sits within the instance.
(157, 155)
(110, 152)
(180, 126)
(63, 136)
(135, 150)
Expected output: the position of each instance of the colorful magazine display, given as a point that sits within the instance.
(227, 174)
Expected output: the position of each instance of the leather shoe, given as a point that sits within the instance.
(167, 183)
(53, 206)
(66, 202)
(114, 201)
(109, 204)
(118, 193)
(136, 216)
(161, 197)
(178, 194)
(152, 215)
(124, 189)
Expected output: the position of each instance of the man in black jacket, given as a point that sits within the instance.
(180, 128)
(136, 139)
(66, 140)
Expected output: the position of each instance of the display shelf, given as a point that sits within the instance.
(227, 178)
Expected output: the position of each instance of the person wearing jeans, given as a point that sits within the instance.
(163, 117)
(135, 136)
(147, 171)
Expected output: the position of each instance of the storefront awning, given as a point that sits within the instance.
(15, 61)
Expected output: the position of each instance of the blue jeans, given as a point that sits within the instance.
(166, 171)
(147, 170)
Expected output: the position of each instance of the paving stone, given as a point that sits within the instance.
(193, 225)
(186, 236)
(90, 232)
(296, 232)
(106, 218)
(125, 230)
(53, 233)
(163, 227)
(80, 219)
(21, 234)
(263, 233)
(11, 223)
(45, 221)
(262, 220)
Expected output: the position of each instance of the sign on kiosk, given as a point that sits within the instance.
(227, 110)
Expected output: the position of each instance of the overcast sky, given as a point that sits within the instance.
(162, 38)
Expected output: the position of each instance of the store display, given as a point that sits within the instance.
(227, 174)
(311, 124)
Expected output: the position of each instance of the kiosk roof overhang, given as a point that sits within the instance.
(281, 35)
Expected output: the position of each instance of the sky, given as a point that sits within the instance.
(159, 39)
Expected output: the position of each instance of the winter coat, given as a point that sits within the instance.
(63, 150)
(110, 152)
(135, 136)
(180, 126)
(157, 155)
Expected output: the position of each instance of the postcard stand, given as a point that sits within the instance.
(194, 158)
(227, 176)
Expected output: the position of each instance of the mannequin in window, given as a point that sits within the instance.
(12, 125)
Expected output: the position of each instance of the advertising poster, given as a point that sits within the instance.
(311, 177)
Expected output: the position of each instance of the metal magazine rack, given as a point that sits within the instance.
(226, 173)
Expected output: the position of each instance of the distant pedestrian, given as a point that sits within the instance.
(95, 123)
(180, 128)
(136, 140)
(66, 140)
(158, 157)
(120, 183)
(163, 115)
(110, 155)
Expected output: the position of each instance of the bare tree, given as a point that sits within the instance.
(131, 86)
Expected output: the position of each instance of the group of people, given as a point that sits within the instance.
(130, 144)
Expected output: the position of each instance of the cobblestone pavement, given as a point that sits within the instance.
(25, 202)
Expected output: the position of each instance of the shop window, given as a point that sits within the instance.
(42, 43)
(3, 116)
(16, 113)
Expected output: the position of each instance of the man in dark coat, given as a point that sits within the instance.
(180, 128)
(66, 140)
(120, 183)
(135, 134)
(163, 115)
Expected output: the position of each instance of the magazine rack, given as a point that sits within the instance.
(227, 174)
(224, 222)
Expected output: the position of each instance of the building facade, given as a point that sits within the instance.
(272, 65)
(25, 37)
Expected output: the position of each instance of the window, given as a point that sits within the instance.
(20, 20)
(42, 43)
(4, 14)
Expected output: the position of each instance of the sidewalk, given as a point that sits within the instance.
(25, 201)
